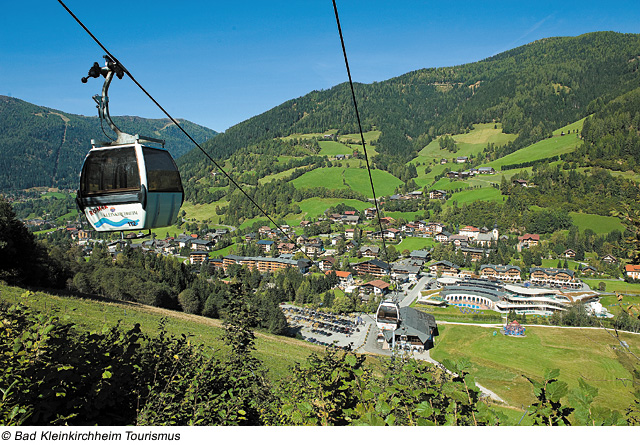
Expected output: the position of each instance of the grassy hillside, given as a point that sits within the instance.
(554, 146)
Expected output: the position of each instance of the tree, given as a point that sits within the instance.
(189, 301)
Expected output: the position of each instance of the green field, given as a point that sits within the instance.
(546, 148)
(481, 194)
(599, 224)
(499, 362)
(614, 286)
(411, 243)
(354, 178)
(331, 148)
(313, 207)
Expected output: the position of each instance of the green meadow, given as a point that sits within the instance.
(354, 178)
(546, 148)
(331, 148)
(415, 243)
(598, 223)
(480, 194)
(499, 362)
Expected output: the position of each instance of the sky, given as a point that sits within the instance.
(218, 63)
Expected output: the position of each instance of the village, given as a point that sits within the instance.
(353, 250)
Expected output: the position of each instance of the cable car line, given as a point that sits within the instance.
(177, 124)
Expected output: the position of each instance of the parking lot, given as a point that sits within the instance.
(326, 329)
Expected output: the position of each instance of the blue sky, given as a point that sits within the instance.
(219, 63)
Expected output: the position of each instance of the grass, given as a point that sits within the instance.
(278, 353)
(316, 206)
(331, 148)
(481, 194)
(355, 178)
(614, 285)
(599, 224)
(499, 362)
(415, 243)
(546, 148)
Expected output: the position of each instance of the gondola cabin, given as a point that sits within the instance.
(129, 187)
(388, 316)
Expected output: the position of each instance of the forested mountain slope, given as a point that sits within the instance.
(532, 90)
(40, 146)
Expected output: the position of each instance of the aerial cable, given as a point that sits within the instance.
(364, 148)
(177, 124)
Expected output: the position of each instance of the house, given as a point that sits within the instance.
(349, 233)
(386, 220)
(371, 251)
(351, 219)
(528, 240)
(609, 259)
(462, 159)
(520, 182)
(434, 227)
(569, 253)
(442, 237)
(587, 270)
(201, 244)
(370, 213)
(420, 254)
(475, 253)
(286, 247)
(377, 287)
(404, 271)
(444, 267)
(458, 240)
(326, 263)
(373, 267)
(486, 170)
(390, 234)
(345, 278)
(633, 271)
(437, 194)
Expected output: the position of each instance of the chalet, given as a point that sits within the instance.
(370, 251)
(386, 220)
(569, 253)
(201, 244)
(390, 234)
(553, 277)
(417, 194)
(609, 259)
(446, 268)
(377, 287)
(434, 227)
(442, 237)
(462, 159)
(305, 223)
(250, 237)
(520, 182)
(459, 240)
(351, 219)
(345, 278)
(437, 194)
(264, 230)
(632, 271)
(587, 270)
(486, 170)
(349, 213)
(528, 240)
(312, 247)
(326, 263)
(503, 273)
(475, 253)
(373, 267)
(370, 213)
(420, 255)
(443, 161)
(404, 271)
(286, 247)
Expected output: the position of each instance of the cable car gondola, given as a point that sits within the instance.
(130, 183)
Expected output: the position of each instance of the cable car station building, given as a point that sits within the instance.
(415, 331)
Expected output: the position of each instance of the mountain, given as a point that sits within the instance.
(41, 146)
(532, 90)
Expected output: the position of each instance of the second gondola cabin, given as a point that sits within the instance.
(132, 186)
